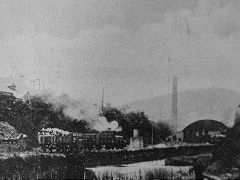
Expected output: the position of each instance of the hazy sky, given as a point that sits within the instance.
(124, 45)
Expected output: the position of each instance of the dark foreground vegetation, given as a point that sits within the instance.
(199, 162)
(42, 167)
(73, 166)
(226, 157)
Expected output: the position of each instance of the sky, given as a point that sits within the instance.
(132, 48)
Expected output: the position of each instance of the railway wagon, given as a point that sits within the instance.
(73, 141)
(60, 142)
(111, 140)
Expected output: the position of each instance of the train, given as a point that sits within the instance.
(56, 140)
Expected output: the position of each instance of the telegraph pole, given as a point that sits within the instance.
(152, 133)
(187, 27)
(102, 99)
(186, 20)
(33, 83)
(38, 84)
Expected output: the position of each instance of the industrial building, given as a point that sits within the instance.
(201, 131)
(175, 137)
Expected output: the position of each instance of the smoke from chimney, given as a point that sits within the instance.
(80, 110)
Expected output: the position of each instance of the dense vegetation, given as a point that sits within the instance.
(30, 117)
(226, 157)
(137, 120)
(42, 167)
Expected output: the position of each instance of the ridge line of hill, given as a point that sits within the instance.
(205, 103)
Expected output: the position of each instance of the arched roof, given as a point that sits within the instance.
(207, 124)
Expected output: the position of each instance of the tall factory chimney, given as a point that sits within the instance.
(174, 104)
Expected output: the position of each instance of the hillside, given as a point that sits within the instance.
(211, 103)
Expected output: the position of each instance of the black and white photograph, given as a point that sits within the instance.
(120, 89)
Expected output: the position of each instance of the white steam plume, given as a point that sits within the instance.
(81, 110)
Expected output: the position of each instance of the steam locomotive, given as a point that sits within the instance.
(56, 140)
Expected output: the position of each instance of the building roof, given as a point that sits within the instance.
(17, 87)
(207, 124)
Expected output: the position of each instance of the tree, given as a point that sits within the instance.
(162, 130)
(114, 114)
(136, 120)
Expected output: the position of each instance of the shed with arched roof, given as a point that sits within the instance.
(203, 130)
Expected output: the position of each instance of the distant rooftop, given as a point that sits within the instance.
(18, 87)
